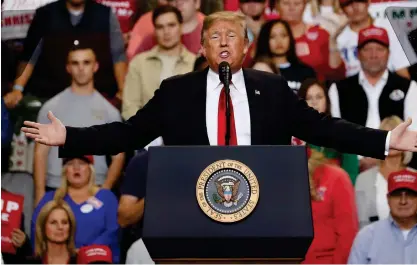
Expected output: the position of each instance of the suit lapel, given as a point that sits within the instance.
(198, 108)
(254, 99)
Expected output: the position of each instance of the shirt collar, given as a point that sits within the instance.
(185, 55)
(363, 80)
(394, 223)
(238, 80)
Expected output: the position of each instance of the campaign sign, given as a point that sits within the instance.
(11, 217)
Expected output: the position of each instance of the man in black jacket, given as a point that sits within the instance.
(189, 110)
(52, 33)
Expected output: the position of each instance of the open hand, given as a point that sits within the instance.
(52, 134)
(403, 139)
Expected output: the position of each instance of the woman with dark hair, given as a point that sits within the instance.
(316, 96)
(277, 42)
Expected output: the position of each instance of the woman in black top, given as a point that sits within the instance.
(277, 42)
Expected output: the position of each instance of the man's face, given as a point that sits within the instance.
(166, 2)
(225, 41)
(403, 203)
(81, 66)
(373, 57)
(291, 10)
(357, 11)
(167, 31)
(188, 8)
(253, 9)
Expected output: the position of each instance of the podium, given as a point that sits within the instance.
(224, 204)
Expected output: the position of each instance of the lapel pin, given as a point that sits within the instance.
(257, 92)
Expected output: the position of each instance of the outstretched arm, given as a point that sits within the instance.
(323, 130)
(107, 139)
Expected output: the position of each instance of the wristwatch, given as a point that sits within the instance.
(18, 87)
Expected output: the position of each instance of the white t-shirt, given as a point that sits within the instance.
(308, 15)
(347, 43)
(382, 207)
(405, 233)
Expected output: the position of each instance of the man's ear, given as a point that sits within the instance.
(246, 48)
(96, 67)
(67, 67)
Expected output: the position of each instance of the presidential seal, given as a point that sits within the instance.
(227, 191)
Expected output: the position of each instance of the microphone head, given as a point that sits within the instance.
(225, 73)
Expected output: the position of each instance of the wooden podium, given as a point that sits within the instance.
(241, 204)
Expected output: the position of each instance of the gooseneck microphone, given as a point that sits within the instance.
(225, 75)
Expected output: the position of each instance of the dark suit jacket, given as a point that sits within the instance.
(177, 112)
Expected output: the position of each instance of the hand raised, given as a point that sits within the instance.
(403, 139)
(52, 134)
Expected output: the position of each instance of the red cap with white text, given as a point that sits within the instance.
(94, 254)
(374, 34)
(403, 179)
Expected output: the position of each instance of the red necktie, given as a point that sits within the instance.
(221, 125)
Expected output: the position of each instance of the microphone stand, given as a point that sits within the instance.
(227, 91)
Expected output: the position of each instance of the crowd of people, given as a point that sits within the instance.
(78, 63)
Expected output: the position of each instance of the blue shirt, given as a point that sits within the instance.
(134, 181)
(383, 242)
(95, 224)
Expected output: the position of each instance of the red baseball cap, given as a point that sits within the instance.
(94, 254)
(374, 34)
(87, 158)
(403, 179)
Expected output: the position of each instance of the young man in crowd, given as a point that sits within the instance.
(358, 19)
(392, 240)
(191, 28)
(374, 93)
(144, 26)
(79, 105)
(169, 57)
(42, 73)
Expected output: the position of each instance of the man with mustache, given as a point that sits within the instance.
(189, 110)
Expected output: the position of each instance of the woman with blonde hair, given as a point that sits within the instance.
(334, 211)
(371, 186)
(54, 235)
(95, 209)
(326, 13)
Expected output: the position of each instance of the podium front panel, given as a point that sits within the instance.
(175, 226)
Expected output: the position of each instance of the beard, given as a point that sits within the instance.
(274, 54)
(374, 69)
(76, 3)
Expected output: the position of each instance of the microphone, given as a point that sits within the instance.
(225, 75)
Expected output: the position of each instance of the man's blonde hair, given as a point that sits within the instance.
(229, 16)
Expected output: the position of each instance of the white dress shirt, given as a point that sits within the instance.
(240, 107)
(372, 94)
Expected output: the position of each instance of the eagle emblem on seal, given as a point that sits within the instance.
(227, 191)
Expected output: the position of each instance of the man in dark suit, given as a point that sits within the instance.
(189, 110)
